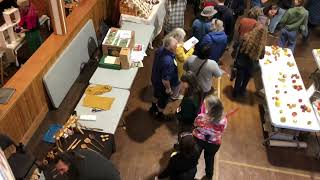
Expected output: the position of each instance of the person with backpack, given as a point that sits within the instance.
(225, 14)
(204, 69)
(201, 26)
(217, 40)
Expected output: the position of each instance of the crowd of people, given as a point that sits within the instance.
(188, 75)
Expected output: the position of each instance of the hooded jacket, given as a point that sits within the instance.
(295, 19)
(218, 43)
(225, 14)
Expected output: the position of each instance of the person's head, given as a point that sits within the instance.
(298, 2)
(187, 144)
(205, 52)
(170, 43)
(254, 13)
(255, 42)
(65, 162)
(179, 34)
(190, 84)
(271, 10)
(214, 108)
(217, 25)
(208, 12)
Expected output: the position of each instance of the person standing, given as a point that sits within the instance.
(294, 20)
(247, 24)
(251, 49)
(201, 26)
(182, 164)
(237, 6)
(204, 69)
(85, 164)
(216, 39)
(181, 56)
(284, 5)
(209, 127)
(29, 24)
(175, 15)
(164, 76)
(313, 6)
(191, 102)
(225, 14)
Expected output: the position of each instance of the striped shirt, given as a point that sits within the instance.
(207, 130)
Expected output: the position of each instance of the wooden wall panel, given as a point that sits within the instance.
(28, 106)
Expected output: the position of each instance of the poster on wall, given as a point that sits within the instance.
(5, 170)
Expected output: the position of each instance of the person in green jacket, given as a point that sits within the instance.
(294, 20)
(191, 102)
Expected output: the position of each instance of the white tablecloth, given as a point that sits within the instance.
(278, 80)
(106, 120)
(156, 18)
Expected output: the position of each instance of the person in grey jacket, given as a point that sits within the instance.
(205, 69)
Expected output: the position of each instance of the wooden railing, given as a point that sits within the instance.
(28, 106)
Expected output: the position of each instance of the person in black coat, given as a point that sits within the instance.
(183, 164)
(237, 6)
(225, 14)
(86, 164)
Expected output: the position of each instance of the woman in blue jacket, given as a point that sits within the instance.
(216, 39)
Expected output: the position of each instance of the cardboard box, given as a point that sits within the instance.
(125, 58)
(113, 63)
(112, 43)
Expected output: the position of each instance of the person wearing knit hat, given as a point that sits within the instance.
(29, 24)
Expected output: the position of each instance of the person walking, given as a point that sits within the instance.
(204, 69)
(217, 40)
(164, 76)
(294, 20)
(209, 127)
(251, 49)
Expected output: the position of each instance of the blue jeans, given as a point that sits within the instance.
(288, 38)
(276, 19)
(255, 3)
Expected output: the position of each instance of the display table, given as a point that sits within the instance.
(143, 32)
(287, 100)
(156, 18)
(122, 79)
(106, 120)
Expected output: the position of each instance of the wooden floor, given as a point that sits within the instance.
(143, 148)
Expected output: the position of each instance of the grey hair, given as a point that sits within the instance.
(214, 107)
(167, 41)
(217, 25)
(178, 33)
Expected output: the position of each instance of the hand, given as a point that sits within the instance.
(169, 91)
(24, 30)
(178, 109)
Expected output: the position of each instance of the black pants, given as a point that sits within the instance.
(209, 153)
(242, 79)
(163, 98)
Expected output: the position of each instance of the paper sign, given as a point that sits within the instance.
(124, 34)
(110, 60)
(190, 43)
(88, 118)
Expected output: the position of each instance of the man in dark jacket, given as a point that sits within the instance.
(86, 165)
(237, 6)
(225, 14)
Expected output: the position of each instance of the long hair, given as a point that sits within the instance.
(255, 42)
(214, 107)
(194, 88)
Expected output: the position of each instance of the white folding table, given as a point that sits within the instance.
(122, 79)
(106, 120)
(279, 76)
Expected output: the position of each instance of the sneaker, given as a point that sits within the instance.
(153, 109)
(174, 98)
